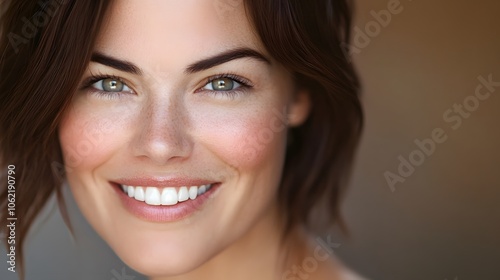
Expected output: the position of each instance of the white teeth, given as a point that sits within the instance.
(130, 191)
(139, 193)
(169, 196)
(193, 192)
(165, 196)
(202, 190)
(183, 194)
(153, 196)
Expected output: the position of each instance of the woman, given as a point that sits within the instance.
(201, 139)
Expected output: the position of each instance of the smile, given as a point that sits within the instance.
(164, 200)
(166, 195)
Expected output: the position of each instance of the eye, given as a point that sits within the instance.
(111, 85)
(222, 84)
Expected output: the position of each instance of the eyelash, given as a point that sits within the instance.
(231, 94)
(244, 85)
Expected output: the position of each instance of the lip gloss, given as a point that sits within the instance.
(163, 213)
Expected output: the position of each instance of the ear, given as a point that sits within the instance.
(299, 108)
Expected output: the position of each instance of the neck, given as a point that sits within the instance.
(256, 255)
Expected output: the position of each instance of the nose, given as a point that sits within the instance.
(161, 135)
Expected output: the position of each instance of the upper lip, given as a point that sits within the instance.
(164, 182)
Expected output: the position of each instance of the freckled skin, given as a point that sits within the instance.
(165, 126)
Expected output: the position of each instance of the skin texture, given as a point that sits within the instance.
(169, 124)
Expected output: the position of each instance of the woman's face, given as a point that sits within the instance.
(180, 97)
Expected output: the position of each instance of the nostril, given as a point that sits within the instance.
(161, 146)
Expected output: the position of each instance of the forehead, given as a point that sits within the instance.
(175, 32)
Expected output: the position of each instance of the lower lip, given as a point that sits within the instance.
(163, 213)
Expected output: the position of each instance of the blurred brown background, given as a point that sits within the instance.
(443, 221)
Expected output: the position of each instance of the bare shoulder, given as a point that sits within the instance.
(317, 261)
(350, 275)
(336, 270)
(332, 268)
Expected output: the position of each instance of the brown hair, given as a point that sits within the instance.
(45, 49)
(306, 37)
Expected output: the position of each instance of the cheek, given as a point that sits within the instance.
(86, 138)
(245, 138)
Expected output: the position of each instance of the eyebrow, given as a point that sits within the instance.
(112, 62)
(198, 66)
(226, 57)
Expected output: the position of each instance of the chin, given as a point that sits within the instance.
(168, 240)
(152, 261)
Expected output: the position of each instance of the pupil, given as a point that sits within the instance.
(223, 84)
(112, 85)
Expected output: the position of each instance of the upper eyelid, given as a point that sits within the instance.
(236, 78)
(94, 78)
